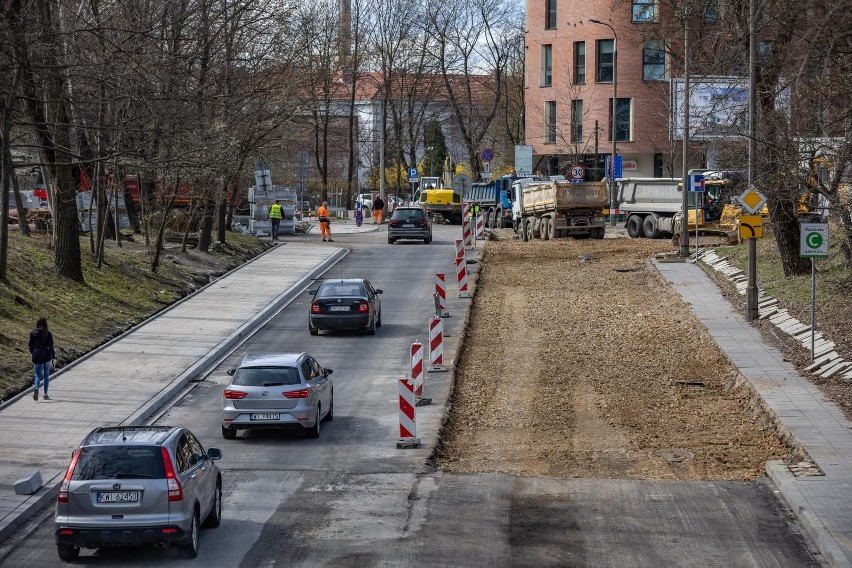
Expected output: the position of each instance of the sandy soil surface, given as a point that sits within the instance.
(580, 361)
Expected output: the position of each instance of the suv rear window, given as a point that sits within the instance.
(119, 462)
(266, 376)
(408, 214)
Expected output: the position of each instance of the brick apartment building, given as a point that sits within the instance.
(569, 88)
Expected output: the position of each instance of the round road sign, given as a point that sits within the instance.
(578, 172)
(487, 155)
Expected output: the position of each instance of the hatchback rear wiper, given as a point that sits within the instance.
(125, 475)
(272, 384)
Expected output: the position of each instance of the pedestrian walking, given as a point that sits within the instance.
(275, 216)
(43, 356)
(325, 222)
(378, 209)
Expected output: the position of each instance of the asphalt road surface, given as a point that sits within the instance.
(352, 499)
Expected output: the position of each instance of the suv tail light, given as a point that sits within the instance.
(363, 306)
(304, 393)
(175, 490)
(315, 307)
(66, 482)
(423, 222)
(234, 395)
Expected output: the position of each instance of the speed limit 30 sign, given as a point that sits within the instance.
(813, 240)
(578, 172)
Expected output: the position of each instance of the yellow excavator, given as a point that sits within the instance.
(439, 199)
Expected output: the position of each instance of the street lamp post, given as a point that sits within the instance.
(611, 174)
(429, 149)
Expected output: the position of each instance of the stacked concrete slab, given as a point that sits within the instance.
(827, 362)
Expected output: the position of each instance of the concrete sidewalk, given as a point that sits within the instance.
(823, 503)
(128, 379)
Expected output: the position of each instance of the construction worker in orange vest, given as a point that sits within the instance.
(325, 222)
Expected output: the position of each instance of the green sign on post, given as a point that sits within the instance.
(813, 240)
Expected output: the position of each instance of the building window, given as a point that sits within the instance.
(577, 121)
(605, 58)
(622, 120)
(654, 61)
(579, 62)
(546, 65)
(550, 15)
(644, 11)
(550, 122)
(711, 11)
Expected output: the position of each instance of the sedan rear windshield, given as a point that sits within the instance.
(119, 462)
(338, 290)
(409, 214)
(266, 376)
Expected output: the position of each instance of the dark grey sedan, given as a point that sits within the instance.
(409, 223)
(347, 303)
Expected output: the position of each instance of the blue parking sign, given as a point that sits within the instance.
(413, 174)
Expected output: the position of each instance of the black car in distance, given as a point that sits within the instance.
(345, 303)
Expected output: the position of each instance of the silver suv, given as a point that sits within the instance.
(137, 485)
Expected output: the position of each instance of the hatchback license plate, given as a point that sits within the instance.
(338, 308)
(407, 226)
(117, 497)
(265, 416)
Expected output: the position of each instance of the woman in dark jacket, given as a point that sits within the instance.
(41, 348)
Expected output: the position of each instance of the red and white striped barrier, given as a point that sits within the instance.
(441, 292)
(467, 235)
(436, 346)
(459, 248)
(407, 417)
(480, 226)
(461, 272)
(417, 370)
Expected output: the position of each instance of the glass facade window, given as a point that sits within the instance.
(550, 122)
(577, 121)
(546, 65)
(654, 61)
(550, 15)
(605, 59)
(579, 62)
(644, 11)
(623, 120)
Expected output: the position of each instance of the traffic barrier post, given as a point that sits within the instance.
(441, 293)
(417, 375)
(467, 235)
(461, 272)
(407, 415)
(436, 346)
(459, 248)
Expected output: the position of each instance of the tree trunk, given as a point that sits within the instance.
(23, 224)
(205, 231)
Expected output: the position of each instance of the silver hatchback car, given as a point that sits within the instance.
(284, 391)
(135, 485)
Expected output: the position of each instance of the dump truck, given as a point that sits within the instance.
(558, 208)
(438, 198)
(493, 200)
(653, 207)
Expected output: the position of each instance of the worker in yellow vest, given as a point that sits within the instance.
(275, 216)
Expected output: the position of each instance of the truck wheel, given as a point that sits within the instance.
(544, 229)
(551, 229)
(530, 230)
(598, 233)
(486, 220)
(649, 227)
(634, 226)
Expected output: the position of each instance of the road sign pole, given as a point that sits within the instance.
(813, 305)
(751, 289)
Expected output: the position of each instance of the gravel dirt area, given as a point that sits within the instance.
(579, 361)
